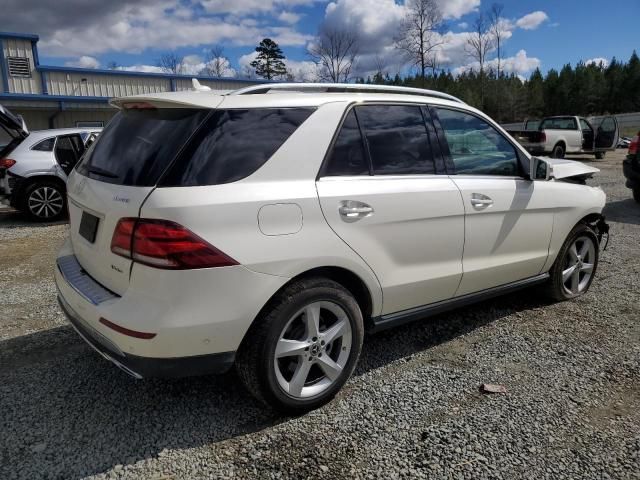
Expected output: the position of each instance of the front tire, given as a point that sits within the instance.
(44, 201)
(576, 264)
(558, 151)
(304, 347)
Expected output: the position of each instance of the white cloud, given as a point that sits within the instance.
(378, 23)
(597, 61)
(457, 8)
(165, 24)
(532, 20)
(251, 6)
(289, 17)
(519, 64)
(141, 68)
(463, 25)
(85, 61)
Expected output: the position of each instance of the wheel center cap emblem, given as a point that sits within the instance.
(315, 349)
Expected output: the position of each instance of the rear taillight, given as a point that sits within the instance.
(165, 244)
(633, 146)
(7, 162)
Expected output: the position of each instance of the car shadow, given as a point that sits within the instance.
(10, 218)
(59, 399)
(623, 211)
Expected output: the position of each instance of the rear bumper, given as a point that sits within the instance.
(199, 317)
(631, 173)
(144, 367)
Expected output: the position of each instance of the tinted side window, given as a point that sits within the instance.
(476, 147)
(397, 139)
(45, 145)
(347, 156)
(232, 144)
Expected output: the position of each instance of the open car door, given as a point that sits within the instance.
(607, 134)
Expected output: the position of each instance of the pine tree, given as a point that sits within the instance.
(269, 62)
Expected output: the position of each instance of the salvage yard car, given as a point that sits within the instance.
(557, 136)
(271, 227)
(34, 165)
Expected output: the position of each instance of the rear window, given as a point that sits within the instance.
(232, 144)
(139, 144)
(568, 123)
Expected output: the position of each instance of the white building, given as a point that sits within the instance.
(57, 97)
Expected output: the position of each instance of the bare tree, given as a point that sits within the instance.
(335, 53)
(419, 34)
(479, 44)
(497, 24)
(497, 32)
(248, 72)
(216, 63)
(171, 63)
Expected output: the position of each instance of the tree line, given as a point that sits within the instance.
(585, 90)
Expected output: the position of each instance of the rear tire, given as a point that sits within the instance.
(303, 347)
(576, 264)
(558, 151)
(600, 155)
(44, 201)
(636, 194)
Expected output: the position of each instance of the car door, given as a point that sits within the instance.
(68, 150)
(508, 218)
(380, 192)
(587, 135)
(607, 134)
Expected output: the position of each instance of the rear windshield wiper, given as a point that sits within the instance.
(102, 172)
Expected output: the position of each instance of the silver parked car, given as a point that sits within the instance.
(34, 165)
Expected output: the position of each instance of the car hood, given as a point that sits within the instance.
(562, 168)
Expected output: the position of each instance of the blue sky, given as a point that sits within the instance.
(545, 34)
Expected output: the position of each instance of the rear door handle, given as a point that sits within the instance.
(480, 201)
(352, 210)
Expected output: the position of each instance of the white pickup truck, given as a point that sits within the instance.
(557, 136)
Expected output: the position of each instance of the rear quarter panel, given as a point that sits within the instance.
(227, 215)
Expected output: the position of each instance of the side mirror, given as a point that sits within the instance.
(539, 169)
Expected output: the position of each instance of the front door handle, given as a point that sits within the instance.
(351, 210)
(480, 201)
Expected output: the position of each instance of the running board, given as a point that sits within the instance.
(390, 320)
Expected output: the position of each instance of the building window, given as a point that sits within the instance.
(19, 66)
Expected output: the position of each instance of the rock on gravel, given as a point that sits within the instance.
(412, 409)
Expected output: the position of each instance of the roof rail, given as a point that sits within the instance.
(341, 88)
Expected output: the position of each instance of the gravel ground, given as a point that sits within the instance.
(412, 410)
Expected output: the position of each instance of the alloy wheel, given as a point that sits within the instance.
(578, 265)
(45, 202)
(313, 349)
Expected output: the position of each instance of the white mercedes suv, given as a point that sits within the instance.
(271, 227)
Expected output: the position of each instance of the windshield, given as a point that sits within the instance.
(139, 144)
